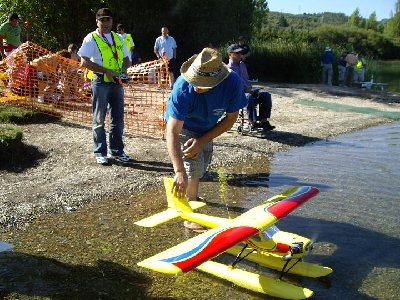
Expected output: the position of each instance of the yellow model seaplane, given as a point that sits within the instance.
(251, 236)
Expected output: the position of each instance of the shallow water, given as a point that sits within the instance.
(92, 253)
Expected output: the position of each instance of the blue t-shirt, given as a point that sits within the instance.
(201, 111)
(327, 57)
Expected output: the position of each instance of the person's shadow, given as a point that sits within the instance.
(36, 276)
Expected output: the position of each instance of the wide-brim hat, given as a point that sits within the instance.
(206, 69)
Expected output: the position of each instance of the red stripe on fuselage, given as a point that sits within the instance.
(217, 245)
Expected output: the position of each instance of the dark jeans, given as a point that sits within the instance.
(264, 100)
(107, 97)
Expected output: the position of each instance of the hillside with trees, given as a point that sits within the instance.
(285, 47)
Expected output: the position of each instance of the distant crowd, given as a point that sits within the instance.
(351, 67)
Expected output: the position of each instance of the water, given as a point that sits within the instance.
(92, 253)
(356, 213)
(386, 72)
(354, 219)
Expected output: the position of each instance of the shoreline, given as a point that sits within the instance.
(60, 173)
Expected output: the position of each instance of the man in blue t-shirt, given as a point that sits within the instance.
(203, 104)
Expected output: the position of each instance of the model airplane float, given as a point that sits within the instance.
(251, 236)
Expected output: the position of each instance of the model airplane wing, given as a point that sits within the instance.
(193, 252)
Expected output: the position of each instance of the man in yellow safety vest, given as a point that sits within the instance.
(127, 37)
(105, 54)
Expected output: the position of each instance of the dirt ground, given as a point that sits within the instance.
(59, 172)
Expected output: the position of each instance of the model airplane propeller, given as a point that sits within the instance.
(251, 236)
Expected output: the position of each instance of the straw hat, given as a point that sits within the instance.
(205, 70)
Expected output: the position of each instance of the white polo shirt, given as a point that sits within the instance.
(89, 48)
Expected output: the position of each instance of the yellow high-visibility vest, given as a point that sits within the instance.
(127, 40)
(360, 64)
(109, 61)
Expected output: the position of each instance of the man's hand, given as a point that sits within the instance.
(192, 148)
(180, 184)
(110, 74)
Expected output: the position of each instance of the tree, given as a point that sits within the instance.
(55, 24)
(392, 28)
(282, 22)
(355, 18)
(259, 14)
(372, 23)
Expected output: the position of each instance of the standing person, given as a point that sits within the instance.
(253, 97)
(203, 104)
(342, 68)
(351, 60)
(73, 49)
(242, 42)
(127, 38)
(11, 33)
(359, 68)
(165, 46)
(104, 53)
(327, 60)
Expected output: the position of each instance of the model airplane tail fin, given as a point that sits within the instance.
(176, 206)
(179, 204)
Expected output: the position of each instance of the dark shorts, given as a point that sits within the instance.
(171, 65)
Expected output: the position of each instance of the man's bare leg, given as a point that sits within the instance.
(193, 189)
(192, 193)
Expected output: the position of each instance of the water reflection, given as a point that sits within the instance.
(386, 72)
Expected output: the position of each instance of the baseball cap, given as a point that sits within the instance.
(103, 13)
(234, 48)
(13, 16)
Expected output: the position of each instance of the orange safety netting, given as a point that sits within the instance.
(36, 78)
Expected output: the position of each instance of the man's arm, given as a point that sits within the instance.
(126, 63)
(174, 127)
(156, 52)
(194, 146)
(174, 53)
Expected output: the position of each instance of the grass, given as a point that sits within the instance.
(15, 114)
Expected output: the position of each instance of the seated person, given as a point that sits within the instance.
(254, 97)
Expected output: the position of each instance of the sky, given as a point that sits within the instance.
(382, 8)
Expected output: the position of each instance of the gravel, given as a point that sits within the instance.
(58, 172)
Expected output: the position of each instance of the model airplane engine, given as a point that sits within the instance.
(297, 249)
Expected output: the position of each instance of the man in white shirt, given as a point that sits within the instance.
(104, 53)
(126, 37)
(165, 46)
